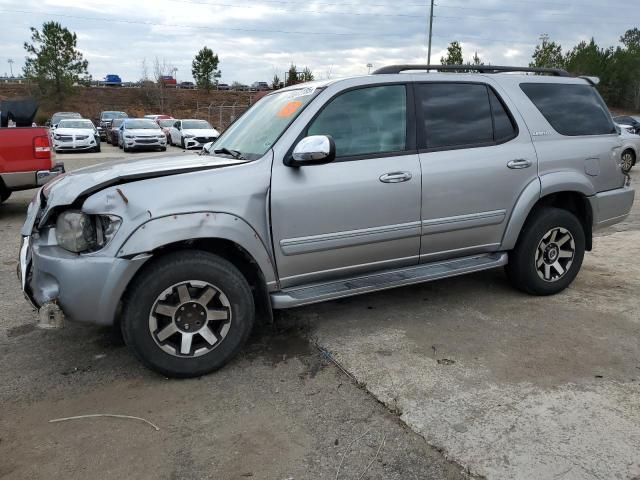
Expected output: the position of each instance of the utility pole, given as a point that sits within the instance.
(430, 33)
(10, 62)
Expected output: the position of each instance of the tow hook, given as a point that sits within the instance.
(50, 316)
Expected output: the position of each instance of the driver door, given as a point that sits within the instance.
(361, 212)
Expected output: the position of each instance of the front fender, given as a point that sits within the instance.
(169, 229)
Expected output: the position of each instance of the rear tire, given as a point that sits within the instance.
(549, 252)
(188, 314)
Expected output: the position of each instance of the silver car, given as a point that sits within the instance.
(141, 133)
(325, 190)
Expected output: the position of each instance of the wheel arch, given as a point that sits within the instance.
(222, 234)
(573, 201)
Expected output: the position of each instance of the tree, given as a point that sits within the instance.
(292, 75)
(54, 63)
(307, 75)
(631, 40)
(548, 54)
(275, 83)
(588, 59)
(454, 55)
(204, 69)
(476, 60)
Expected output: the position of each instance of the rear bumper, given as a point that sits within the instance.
(25, 180)
(611, 207)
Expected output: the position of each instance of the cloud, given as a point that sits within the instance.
(255, 39)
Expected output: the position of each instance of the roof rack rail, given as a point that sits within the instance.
(558, 72)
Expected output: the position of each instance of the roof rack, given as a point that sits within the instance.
(558, 72)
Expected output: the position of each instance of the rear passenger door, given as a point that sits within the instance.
(476, 157)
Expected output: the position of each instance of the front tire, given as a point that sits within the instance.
(182, 145)
(4, 193)
(628, 160)
(188, 314)
(549, 252)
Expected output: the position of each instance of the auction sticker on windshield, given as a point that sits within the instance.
(289, 109)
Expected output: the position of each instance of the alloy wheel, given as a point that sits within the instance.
(627, 161)
(554, 254)
(190, 319)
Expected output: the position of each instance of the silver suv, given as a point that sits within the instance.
(326, 190)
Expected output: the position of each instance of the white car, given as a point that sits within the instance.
(75, 134)
(141, 133)
(192, 133)
(630, 149)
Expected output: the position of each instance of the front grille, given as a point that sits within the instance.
(65, 138)
(204, 139)
(146, 140)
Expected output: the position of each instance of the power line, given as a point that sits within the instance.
(199, 27)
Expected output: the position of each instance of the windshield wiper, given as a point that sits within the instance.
(234, 153)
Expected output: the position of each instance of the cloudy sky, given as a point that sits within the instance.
(257, 38)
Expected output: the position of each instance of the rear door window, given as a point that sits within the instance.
(571, 109)
(461, 115)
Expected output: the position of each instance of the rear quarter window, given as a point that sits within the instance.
(572, 110)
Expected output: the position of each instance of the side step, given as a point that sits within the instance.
(346, 287)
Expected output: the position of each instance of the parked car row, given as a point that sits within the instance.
(126, 132)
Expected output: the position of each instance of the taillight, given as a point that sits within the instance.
(42, 147)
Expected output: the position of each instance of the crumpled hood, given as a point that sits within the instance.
(65, 189)
(201, 132)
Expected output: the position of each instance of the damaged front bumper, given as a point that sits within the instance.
(79, 287)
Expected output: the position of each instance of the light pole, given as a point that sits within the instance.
(430, 33)
(369, 67)
(10, 62)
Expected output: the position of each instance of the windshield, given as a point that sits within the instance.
(112, 115)
(255, 132)
(166, 123)
(195, 124)
(142, 125)
(76, 124)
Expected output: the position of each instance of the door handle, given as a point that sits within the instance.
(519, 163)
(395, 177)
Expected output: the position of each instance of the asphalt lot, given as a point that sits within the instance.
(279, 411)
(488, 380)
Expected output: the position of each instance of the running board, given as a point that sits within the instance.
(320, 292)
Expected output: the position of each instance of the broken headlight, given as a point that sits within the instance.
(79, 232)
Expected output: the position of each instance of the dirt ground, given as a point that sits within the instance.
(509, 386)
(282, 410)
(464, 376)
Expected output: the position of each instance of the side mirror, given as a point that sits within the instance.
(206, 149)
(313, 150)
(47, 123)
(618, 129)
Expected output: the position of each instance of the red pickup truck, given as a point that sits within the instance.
(26, 157)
